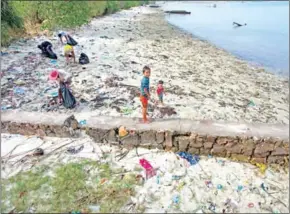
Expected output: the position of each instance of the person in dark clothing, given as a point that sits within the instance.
(46, 49)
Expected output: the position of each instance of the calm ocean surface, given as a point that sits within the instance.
(263, 41)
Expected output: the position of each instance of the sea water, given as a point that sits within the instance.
(264, 41)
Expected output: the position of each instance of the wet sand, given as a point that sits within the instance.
(201, 81)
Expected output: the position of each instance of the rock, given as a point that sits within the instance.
(112, 136)
(204, 151)
(131, 140)
(218, 150)
(71, 122)
(208, 145)
(234, 148)
(276, 159)
(263, 149)
(280, 152)
(182, 142)
(193, 150)
(168, 140)
(160, 137)
(238, 157)
(38, 152)
(248, 146)
(222, 140)
(148, 137)
(259, 160)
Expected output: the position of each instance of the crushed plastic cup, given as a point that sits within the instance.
(158, 179)
(219, 186)
(240, 187)
(208, 184)
(83, 122)
(176, 199)
(250, 205)
(176, 178)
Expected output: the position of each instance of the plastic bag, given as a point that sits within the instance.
(69, 100)
(71, 41)
(46, 49)
(84, 59)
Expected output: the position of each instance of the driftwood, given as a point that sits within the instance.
(178, 12)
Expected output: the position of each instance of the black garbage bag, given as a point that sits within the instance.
(43, 46)
(69, 100)
(84, 59)
(46, 50)
(71, 41)
(50, 54)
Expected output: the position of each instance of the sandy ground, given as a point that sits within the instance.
(177, 187)
(201, 81)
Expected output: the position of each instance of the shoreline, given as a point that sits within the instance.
(219, 85)
(278, 69)
(256, 65)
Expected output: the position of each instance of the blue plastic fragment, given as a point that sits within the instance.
(19, 91)
(83, 122)
(54, 94)
(53, 61)
(176, 199)
(219, 186)
(240, 187)
(191, 159)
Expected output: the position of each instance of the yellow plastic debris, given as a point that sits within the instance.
(262, 167)
(122, 131)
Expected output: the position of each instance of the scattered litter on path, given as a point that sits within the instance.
(83, 122)
(73, 150)
(189, 157)
(167, 183)
(38, 152)
(123, 132)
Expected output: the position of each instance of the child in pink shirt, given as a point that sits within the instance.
(160, 91)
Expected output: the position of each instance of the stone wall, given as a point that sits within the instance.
(258, 150)
(241, 147)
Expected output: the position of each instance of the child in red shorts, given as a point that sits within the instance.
(145, 92)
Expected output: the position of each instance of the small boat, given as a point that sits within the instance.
(178, 12)
(154, 6)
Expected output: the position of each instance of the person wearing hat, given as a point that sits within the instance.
(60, 76)
(63, 78)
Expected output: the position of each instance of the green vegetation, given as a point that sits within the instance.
(37, 16)
(69, 187)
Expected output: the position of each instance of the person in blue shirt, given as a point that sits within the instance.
(145, 92)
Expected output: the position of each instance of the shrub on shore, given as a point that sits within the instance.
(33, 17)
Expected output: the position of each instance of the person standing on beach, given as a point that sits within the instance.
(160, 91)
(145, 92)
